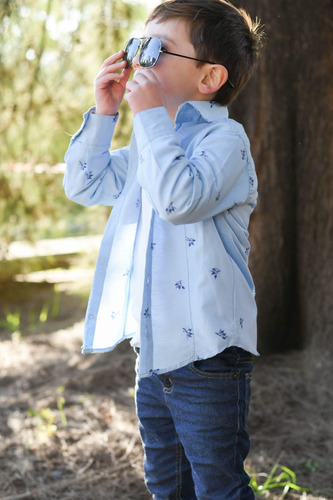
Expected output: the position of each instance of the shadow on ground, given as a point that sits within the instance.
(67, 421)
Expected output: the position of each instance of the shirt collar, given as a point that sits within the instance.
(200, 111)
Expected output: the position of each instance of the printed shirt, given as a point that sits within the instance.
(182, 196)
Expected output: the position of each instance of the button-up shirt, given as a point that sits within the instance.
(173, 263)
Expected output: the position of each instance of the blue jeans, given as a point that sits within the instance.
(193, 428)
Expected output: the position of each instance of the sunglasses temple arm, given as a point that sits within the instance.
(195, 59)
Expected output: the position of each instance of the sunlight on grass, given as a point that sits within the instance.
(279, 477)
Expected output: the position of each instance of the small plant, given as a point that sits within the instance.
(15, 322)
(50, 310)
(11, 322)
(279, 477)
(61, 403)
(43, 421)
(312, 465)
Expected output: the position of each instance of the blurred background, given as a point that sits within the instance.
(50, 52)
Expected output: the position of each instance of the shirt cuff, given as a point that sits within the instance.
(96, 130)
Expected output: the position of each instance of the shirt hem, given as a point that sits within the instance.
(192, 359)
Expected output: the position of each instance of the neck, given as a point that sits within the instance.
(172, 113)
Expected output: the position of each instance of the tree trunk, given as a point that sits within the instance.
(287, 110)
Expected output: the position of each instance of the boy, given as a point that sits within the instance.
(172, 273)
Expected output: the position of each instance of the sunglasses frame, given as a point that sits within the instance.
(145, 40)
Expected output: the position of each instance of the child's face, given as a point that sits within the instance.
(178, 77)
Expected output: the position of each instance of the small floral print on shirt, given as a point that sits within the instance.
(114, 314)
(189, 332)
(138, 203)
(154, 372)
(203, 154)
(152, 246)
(179, 285)
(215, 271)
(251, 181)
(218, 196)
(221, 333)
(170, 209)
(243, 151)
(241, 322)
(190, 241)
(88, 173)
(116, 196)
(147, 313)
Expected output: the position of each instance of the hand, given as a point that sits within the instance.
(110, 84)
(144, 91)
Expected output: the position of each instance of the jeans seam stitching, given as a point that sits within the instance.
(178, 471)
(215, 375)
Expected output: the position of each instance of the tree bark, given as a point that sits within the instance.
(287, 110)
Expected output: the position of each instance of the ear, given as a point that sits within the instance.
(213, 78)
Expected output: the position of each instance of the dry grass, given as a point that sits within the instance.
(99, 449)
(98, 454)
(291, 421)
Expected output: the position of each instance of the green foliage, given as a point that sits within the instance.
(11, 322)
(312, 465)
(60, 404)
(50, 52)
(45, 422)
(279, 477)
(33, 206)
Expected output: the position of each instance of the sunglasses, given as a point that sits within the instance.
(150, 50)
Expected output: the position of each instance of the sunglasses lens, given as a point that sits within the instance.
(131, 50)
(150, 52)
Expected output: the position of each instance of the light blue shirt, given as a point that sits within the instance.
(182, 197)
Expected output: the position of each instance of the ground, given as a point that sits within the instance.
(67, 421)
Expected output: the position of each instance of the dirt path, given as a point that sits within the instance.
(86, 446)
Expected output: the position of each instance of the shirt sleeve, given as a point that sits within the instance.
(215, 174)
(93, 175)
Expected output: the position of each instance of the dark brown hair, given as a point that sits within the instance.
(219, 32)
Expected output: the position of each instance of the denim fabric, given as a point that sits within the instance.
(193, 427)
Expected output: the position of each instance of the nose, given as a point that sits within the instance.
(135, 63)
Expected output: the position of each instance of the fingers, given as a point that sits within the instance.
(144, 91)
(112, 59)
(110, 84)
(112, 67)
(142, 78)
(112, 70)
